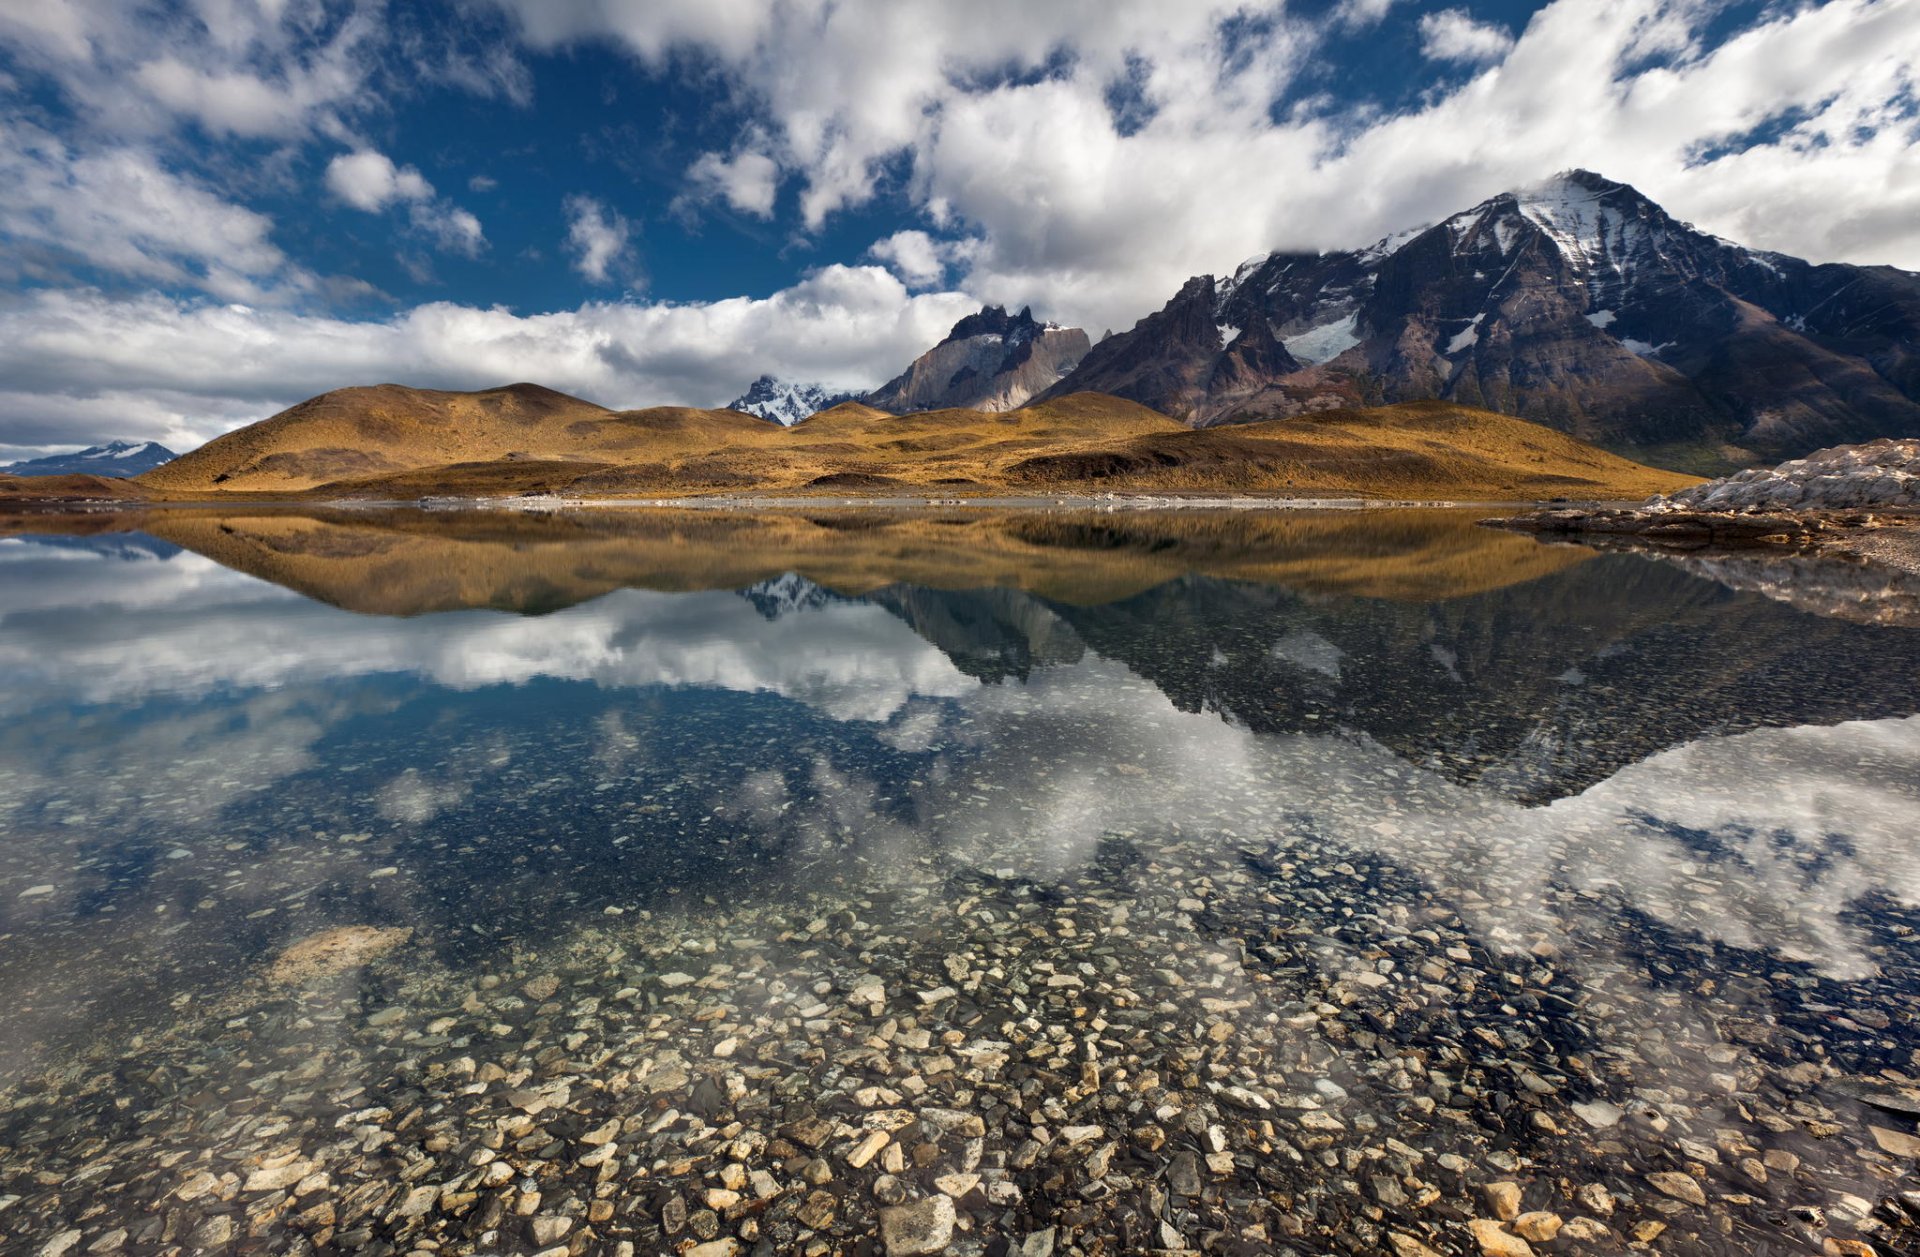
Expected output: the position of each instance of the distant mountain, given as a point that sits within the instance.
(790, 593)
(784, 403)
(1577, 303)
(989, 361)
(117, 459)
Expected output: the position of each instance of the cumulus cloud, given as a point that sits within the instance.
(1453, 35)
(1001, 114)
(1360, 14)
(118, 209)
(161, 368)
(747, 181)
(368, 180)
(282, 69)
(917, 258)
(598, 238)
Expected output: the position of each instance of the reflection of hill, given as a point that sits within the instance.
(1537, 670)
(412, 562)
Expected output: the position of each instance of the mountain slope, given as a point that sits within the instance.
(779, 401)
(389, 430)
(1577, 303)
(116, 459)
(394, 443)
(989, 361)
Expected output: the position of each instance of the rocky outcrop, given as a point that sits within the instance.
(1578, 303)
(1877, 474)
(1826, 500)
(989, 361)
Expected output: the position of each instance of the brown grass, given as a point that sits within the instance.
(398, 443)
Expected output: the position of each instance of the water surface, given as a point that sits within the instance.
(1296, 880)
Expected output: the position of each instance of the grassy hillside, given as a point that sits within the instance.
(398, 443)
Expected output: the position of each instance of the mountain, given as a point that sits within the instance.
(786, 404)
(989, 361)
(1577, 303)
(116, 459)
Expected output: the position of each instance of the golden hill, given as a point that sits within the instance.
(398, 443)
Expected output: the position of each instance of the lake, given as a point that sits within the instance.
(981, 882)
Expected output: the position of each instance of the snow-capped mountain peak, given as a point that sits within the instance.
(1576, 301)
(116, 459)
(784, 402)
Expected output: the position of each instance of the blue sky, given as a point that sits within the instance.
(213, 208)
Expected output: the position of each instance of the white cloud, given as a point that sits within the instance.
(282, 69)
(1453, 35)
(748, 181)
(118, 209)
(182, 372)
(599, 238)
(368, 180)
(917, 258)
(1360, 14)
(999, 114)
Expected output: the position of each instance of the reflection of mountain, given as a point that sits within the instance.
(1538, 689)
(413, 562)
(134, 547)
(1536, 670)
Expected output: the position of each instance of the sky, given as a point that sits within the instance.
(212, 209)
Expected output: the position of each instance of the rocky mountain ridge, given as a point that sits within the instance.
(990, 361)
(786, 403)
(1578, 303)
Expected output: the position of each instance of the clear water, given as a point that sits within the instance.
(1378, 859)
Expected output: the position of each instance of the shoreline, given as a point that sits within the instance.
(769, 502)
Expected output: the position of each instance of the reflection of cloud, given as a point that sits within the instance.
(1308, 650)
(1763, 839)
(204, 628)
(413, 800)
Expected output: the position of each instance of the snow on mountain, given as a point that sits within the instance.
(1326, 342)
(1577, 302)
(116, 459)
(785, 403)
(790, 593)
(990, 361)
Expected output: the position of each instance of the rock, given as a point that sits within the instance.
(1895, 1143)
(1679, 1186)
(867, 990)
(1036, 1244)
(923, 1227)
(956, 1185)
(817, 1211)
(548, 1229)
(59, 1244)
(1407, 1246)
(1585, 1230)
(1504, 1199)
(1538, 1226)
(728, 1247)
(334, 951)
(1496, 1242)
(1598, 1113)
(864, 1151)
